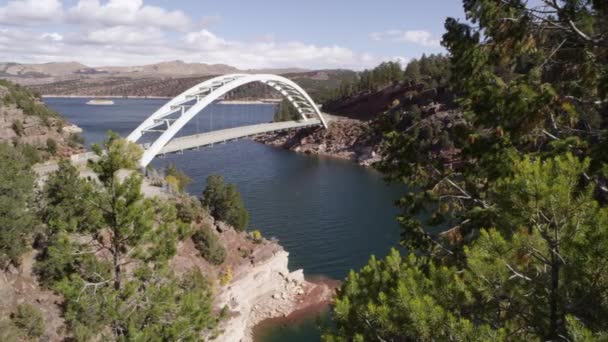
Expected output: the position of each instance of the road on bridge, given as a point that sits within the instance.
(210, 138)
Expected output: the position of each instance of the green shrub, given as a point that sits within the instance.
(30, 153)
(180, 179)
(209, 246)
(189, 209)
(18, 127)
(8, 331)
(28, 102)
(51, 146)
(75, 140)
(224, 202)
(256, 236)
(29, 320)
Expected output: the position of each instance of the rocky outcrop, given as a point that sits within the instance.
(344, 139)
(253, 284)
(19, 127)
(266, 289)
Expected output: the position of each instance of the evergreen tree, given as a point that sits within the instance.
(412, 71)
(537, 274)
(107, 254)
(510, 232)
(224, 202)
(286, 112)
(16, 193)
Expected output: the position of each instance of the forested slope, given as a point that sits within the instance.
(506, 220)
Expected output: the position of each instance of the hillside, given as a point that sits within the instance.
(317, 83)
(47, 73)
(25, 122)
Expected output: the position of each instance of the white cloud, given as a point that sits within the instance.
(205, 40)
(25, 12)
(129, 32)
(127, 45)
(122, 35)
(54, 36)
(419, 37)
(127, 12)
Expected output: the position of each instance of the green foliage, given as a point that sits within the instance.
(27, 101)
(181, 179)
(286, 112)
(70, 205)
(29, 320)
(209, 245)
(75, 140)
(16, 193)
(106, 252)
(69, 202)
(118, 153)
(508, 197)
(8, 331)
(428, 71)
(154, 305)
(29, 153)
(256, 236)
(18, 127)
(224, 202)
(226, 276)
(404, 299)
(538, 266)
(189, 209)
(369, 80)
(51, 146)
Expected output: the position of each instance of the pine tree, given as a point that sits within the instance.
(16, 193)
(224, 202)
(510, 233)
(286, 112)
(108, 251)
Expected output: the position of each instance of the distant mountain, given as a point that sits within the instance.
(171, 78)
(18, 70)
(36, 74)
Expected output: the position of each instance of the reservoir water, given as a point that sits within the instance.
(330, 215)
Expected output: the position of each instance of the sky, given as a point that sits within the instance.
(312, 34)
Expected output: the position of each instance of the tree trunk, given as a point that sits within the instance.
(117, 274)
(554, 325)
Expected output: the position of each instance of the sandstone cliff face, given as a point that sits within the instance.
(264, 290)
(261, 285)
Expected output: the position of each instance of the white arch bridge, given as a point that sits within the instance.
(175, 114)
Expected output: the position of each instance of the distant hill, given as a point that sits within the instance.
(160, 79)
(317, 83)
(35, 74)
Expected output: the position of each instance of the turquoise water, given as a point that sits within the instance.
(330, 215)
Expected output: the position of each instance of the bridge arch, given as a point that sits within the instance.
(205, 93)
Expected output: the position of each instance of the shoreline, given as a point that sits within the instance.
(344, 140)
(264, 290)
(238, 102)
(303, 313)
(52, 96)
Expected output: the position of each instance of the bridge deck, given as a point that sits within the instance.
(210, 138)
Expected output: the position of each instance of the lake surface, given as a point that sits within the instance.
(330, 215)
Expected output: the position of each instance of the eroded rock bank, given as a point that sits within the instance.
(253, 284)
(267, 290)
(347, 139)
